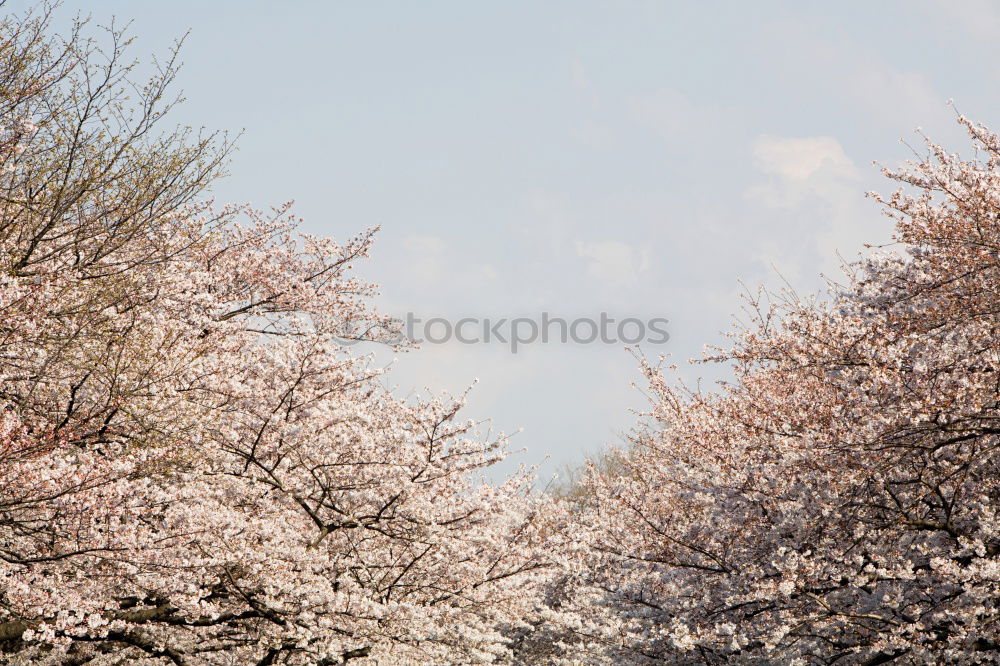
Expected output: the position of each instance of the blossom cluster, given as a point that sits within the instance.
(193, 469)
(839, 501)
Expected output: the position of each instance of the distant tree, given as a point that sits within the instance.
(193, 469)
(839, 502)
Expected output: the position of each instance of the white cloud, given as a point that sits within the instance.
(815, 203)
(613, 262)
(802, 167)
(870, 80)
(800, 158)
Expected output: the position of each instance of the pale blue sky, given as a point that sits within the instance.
(573, 157)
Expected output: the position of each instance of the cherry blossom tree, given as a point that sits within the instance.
(838, 501)
(194, 469)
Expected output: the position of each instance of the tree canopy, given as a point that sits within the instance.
(196, 469)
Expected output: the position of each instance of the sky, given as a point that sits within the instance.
(643, 159)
